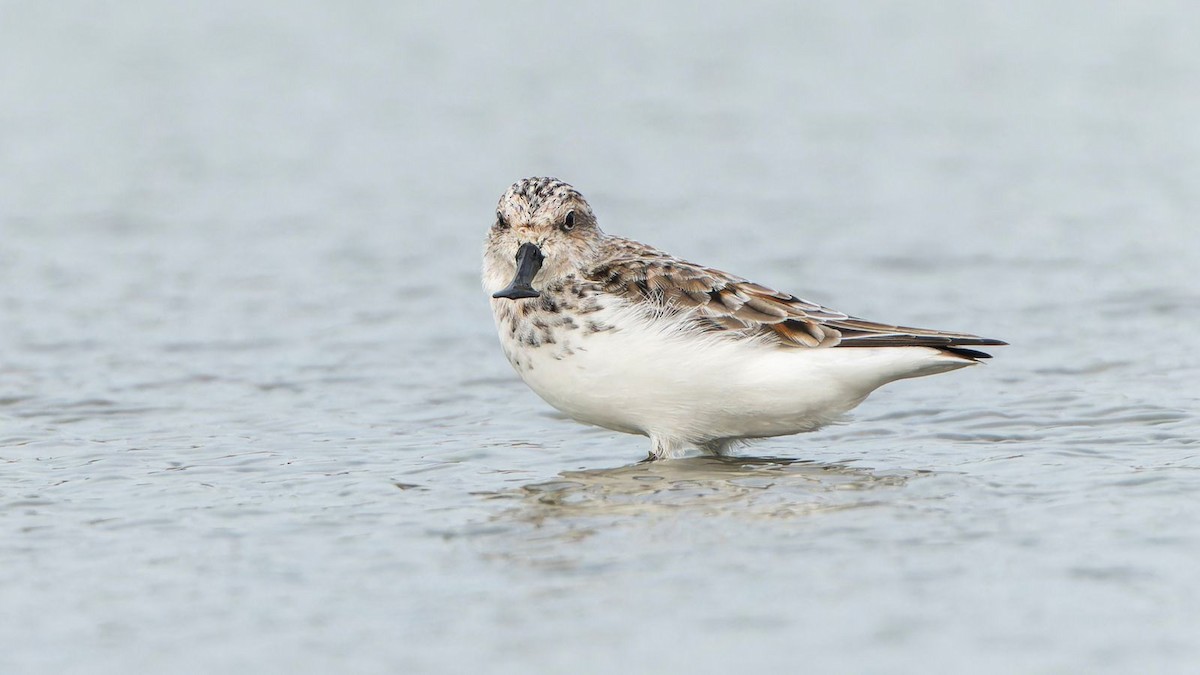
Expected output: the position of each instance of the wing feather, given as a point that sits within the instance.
(720, 301)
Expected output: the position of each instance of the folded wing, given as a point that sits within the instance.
(720, 301)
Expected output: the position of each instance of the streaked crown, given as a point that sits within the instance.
(529, 196)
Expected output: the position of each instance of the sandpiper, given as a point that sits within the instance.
(620, 335)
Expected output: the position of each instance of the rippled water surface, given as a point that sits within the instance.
(253, 416)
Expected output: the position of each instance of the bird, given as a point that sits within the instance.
(617, 334)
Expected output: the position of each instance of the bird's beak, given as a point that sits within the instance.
(529, 261)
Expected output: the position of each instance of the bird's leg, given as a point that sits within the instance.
(719, 448)
(663, 448)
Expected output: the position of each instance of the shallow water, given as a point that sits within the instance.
(253, 415)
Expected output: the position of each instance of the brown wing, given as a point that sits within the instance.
(722, 301)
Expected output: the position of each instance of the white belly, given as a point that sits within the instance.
(650, 378)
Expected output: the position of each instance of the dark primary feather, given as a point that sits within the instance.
(722, 301)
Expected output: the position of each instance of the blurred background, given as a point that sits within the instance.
(253, 415)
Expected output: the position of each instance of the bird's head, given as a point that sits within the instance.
(544, 231)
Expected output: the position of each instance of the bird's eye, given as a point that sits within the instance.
(568, 223)
(500, 221)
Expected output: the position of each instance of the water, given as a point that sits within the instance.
(253, 416)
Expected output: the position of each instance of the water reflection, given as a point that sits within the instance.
(740, 486)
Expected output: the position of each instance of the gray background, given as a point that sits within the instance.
(253, 414)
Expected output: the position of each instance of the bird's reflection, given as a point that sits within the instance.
(741, 486)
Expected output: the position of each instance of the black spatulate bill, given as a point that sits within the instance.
(529, 261)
